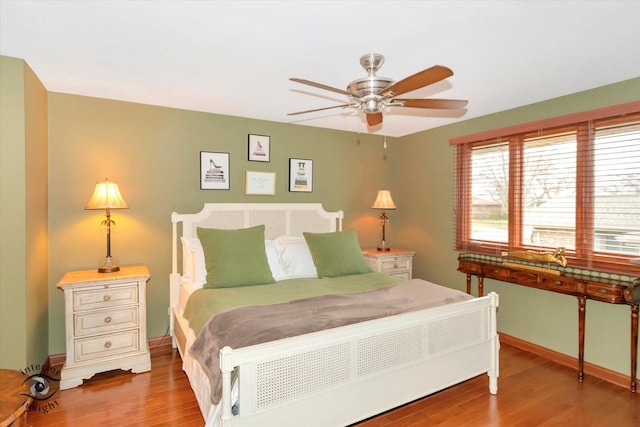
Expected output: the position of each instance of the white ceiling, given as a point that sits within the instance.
(236, 58)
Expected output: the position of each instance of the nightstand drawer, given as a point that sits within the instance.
(108, 296)
(106, 345)
(395, 262)
(105, 321)
(390, 264)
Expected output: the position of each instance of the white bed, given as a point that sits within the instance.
(273, 387)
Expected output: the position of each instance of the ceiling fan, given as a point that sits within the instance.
(372, 94)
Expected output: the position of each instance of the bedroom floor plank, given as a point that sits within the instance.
(532, 391)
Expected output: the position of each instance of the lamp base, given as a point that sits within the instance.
(383, 246)
(108, 266)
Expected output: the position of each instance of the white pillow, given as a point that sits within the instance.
(199, 266)
(187, 261)
(295, 258)
(273, 258)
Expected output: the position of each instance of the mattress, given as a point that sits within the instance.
(185, 292)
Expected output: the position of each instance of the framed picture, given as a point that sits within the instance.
(259, 148)
(214, 171)
(301, 175)
(260, 183)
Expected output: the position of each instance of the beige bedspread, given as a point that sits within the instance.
(245, 326)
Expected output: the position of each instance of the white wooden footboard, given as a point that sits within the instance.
(343, 375)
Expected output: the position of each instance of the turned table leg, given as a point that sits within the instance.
(634, 346)
(582, 308)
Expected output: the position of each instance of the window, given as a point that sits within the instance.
(571, 182)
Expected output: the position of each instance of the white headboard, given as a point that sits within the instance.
(280, 219)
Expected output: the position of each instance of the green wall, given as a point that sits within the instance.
(425, 178)
(23, 216)
(153, 154)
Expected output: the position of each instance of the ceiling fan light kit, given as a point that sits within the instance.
(373, 94)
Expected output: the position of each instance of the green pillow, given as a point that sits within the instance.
(336, 254)
(235, 257)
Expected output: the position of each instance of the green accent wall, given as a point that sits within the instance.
(426, 187)
(24, 251)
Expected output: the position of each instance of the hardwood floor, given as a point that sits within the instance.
(533, 391)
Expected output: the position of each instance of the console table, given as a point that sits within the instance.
(584, 284)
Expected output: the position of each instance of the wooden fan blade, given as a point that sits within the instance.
(374, 119)
(319, 85)
(418, 80)
(318, 109)
(444, 104)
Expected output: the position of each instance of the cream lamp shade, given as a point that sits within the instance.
(384, 200)
(106, 196)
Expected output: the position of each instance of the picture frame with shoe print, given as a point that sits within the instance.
(214, 171)
(259, 148)
(301, 175)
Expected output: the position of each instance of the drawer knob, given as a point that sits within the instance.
(106, 297)
(395, 265)
(107, 319)
(107, 344)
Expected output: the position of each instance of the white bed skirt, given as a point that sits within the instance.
(197, 378)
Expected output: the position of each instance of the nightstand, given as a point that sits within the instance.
(105, 323)
(396, 262)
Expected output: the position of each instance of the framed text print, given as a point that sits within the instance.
(260, 183)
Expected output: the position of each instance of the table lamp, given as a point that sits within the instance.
(107, 196)
(383, 202)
